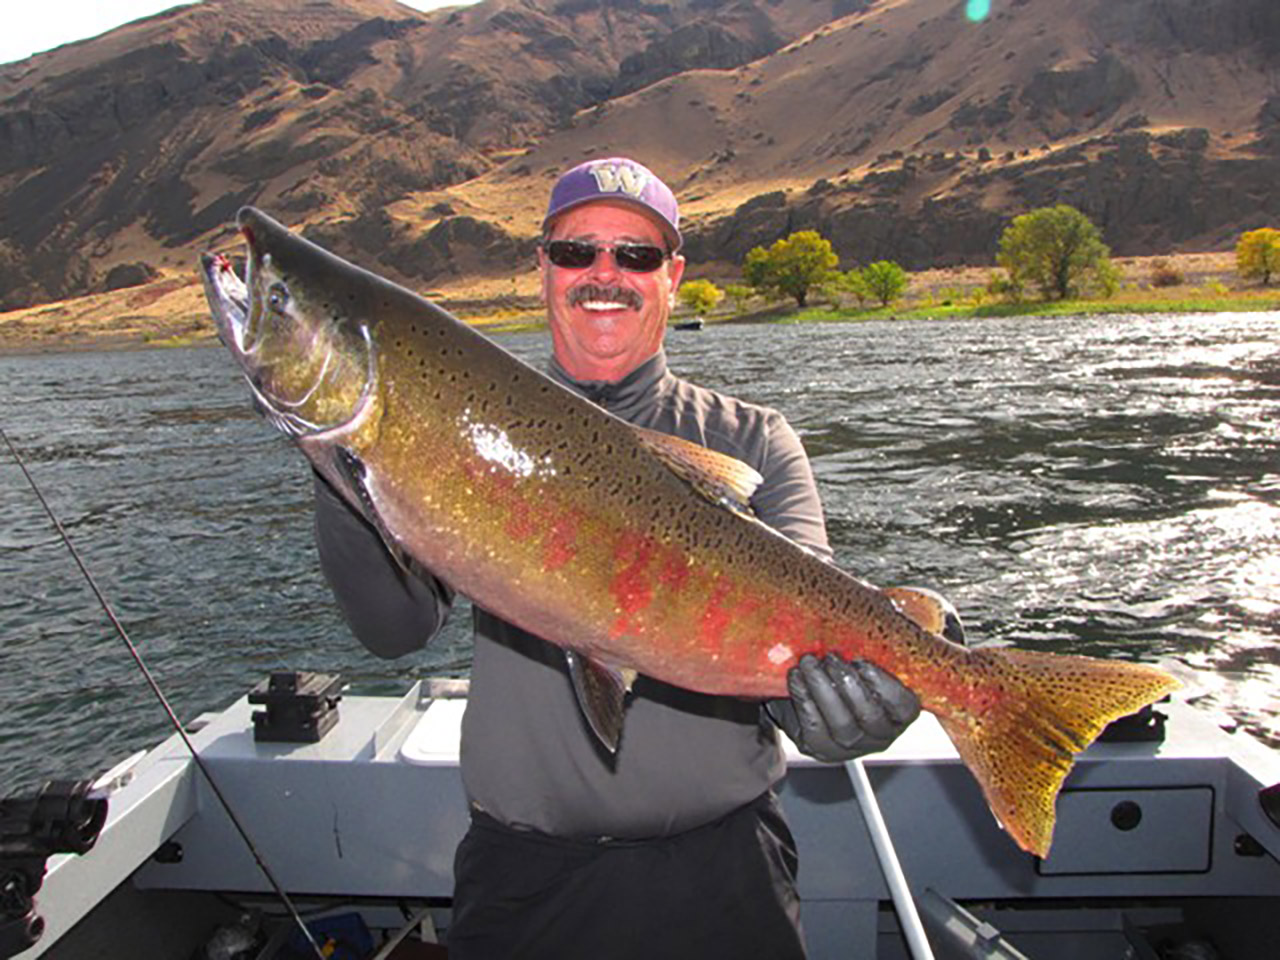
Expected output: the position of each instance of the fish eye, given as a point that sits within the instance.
(278, 297)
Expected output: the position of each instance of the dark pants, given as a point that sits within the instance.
(723, 890)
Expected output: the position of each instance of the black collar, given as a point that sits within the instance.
(625, 397)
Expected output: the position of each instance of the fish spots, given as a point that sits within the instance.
(982, 700)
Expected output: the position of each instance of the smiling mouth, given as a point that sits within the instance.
(601, 299)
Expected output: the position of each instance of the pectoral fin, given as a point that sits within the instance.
(601, 693)
(355, 476)
(716, 476)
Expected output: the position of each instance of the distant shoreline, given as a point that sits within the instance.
(821, 315)
(170, 312)
(1260, 301)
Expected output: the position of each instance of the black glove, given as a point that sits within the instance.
(839, 710)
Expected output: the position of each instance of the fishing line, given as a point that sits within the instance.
(164, 702)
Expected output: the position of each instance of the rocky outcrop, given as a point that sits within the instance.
(1200, 25)
(706, 45)
(1147, 194)
(454, 246)
(1269, 127)
(124, 275)
(1064, 102)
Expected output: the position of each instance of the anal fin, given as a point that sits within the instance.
(601, 694)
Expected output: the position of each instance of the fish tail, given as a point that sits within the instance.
(1022, 717)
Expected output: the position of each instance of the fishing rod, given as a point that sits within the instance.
(164, 701)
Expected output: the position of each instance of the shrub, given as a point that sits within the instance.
(1165, 274)
(885, 280)
(700, 296)
(738, 295)
(1004, 287)
(830, 291)
(1258, 254)
(1104, 279)
(855, 281)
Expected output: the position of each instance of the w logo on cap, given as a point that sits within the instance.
(619, 178)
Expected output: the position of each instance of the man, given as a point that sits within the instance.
(675, 846)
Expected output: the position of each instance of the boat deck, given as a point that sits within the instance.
(1154, 841)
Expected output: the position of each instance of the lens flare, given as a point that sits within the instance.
(977, 10)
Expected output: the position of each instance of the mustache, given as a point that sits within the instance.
(610, 294)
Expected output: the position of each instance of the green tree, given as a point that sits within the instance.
(1057, 249)
(855, 282)
(885, 280)
(738, 294)
(700, 296)
(792, 266)
(1258, 254)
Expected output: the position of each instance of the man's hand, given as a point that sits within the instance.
(840, 710)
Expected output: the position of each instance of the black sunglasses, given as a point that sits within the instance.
(578, 254)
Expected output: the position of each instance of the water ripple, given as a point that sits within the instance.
(1109, 487)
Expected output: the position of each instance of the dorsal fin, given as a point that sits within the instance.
(720, 478)
(930, 610)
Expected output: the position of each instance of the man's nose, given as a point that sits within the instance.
(605, 263)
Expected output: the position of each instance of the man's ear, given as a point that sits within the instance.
(677, 271)
(542, 273)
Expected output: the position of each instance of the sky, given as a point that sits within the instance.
(33, 26)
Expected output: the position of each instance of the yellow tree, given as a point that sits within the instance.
(792, 266)
(700, 296)
(1258, 254)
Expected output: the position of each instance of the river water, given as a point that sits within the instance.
(1103, 486)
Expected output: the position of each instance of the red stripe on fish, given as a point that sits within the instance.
(561, 544)
(632, 585)
(716, 618)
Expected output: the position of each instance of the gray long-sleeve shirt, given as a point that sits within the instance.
(528, 756)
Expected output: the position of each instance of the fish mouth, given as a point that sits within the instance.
(228, 297)
(229, 293)
(308, 379)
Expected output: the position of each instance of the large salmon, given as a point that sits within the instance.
(632, 550)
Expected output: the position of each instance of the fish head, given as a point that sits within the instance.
(295, 326)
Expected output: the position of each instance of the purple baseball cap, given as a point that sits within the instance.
(617, 178)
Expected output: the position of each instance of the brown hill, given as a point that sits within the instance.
(423, 144)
